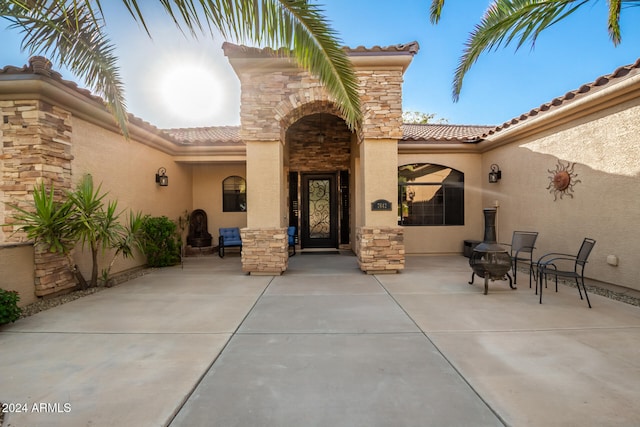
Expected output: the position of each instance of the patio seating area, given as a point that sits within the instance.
(324, 344)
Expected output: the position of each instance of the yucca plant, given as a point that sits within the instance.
(48, 222)
(93, 224)
(128, 240)
(82, 217)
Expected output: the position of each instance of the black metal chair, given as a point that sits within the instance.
(291, 238)
(522, 246)
(549, 265)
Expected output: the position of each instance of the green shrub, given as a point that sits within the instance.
(160, 242)
(9, 310)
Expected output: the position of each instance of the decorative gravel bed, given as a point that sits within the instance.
(49, 302)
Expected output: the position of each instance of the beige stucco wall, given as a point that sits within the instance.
(126, 169)
(18, 259)
(379, 173)
(207, 195)
(606, 202)
(450, 238)
(265, 185)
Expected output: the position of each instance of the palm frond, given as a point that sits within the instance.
(435, 11)
(509, 20)
(293, 24)
(315, 47)
(613, 21)
(72, 35)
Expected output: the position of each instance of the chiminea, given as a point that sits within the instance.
(490, 260)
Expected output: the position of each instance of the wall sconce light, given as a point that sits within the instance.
(495, 175)
(161, 177)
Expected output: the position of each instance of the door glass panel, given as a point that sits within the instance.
(319, 209)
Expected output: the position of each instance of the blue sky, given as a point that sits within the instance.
(501, 85)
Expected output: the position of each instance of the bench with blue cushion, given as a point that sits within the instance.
(229, 237)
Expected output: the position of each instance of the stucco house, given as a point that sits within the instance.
(385, 191)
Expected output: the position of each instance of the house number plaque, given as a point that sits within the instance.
(381, 205)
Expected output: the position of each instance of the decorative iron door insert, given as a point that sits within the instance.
(319, 219)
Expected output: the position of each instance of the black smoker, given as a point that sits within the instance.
(490, 260)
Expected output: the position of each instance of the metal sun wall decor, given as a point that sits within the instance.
(563, 178)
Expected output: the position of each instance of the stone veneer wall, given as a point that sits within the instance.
(380, 249)
(308, 153)
(381, 98)
(264, 250)
(273, 100)
(36, 147)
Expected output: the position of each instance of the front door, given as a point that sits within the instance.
(319, 228)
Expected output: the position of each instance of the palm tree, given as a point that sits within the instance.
(72, 33)
(506, 21)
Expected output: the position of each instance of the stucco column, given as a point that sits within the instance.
(380, 246)
(264, 241)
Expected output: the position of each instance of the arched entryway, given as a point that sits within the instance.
(318, 151)
(283, 105)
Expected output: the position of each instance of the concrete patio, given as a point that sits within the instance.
(323, 345)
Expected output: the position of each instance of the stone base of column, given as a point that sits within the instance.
(52, 273)
(380, 249)
(264, 251)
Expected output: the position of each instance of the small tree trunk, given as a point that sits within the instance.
(80, 278)
(94, 268)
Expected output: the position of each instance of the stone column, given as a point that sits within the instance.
(36, 147)
(380, 246)
(264, 241)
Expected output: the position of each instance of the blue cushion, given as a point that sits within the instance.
(230, 236)
(291, 232)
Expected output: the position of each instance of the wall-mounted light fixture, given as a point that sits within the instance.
(495, 175)
(161, 177)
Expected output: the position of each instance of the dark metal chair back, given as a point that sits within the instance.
(523, 241)
(522, 246)
(585, 251)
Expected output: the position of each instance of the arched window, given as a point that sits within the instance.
(234, 194)
(430, 194)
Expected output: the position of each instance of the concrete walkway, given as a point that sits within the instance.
(323, 345)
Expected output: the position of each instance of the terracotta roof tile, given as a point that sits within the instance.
(42, 66)
(206, 135)
(436, 133)
(443, 132)
(619, 75)
(242, 51)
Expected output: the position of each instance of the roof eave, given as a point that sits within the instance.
(555, 116)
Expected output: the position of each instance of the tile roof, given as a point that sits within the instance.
(206, 135)
(433, 133)
(42, 66)
(241, 51)
(619, 75)
(443, 132)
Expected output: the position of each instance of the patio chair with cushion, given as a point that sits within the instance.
(522, 246)
(550, 263)
(229, 237)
